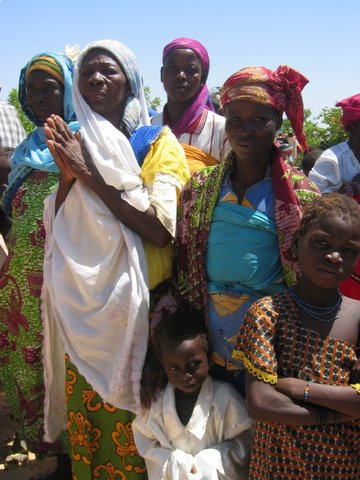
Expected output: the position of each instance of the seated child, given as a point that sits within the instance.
(300, 350)
(198, 427)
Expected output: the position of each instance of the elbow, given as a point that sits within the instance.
(162, 239)
(256, 409)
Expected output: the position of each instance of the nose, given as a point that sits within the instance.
(35, 97)
(181, 74)
(334, 257)
(95, 78)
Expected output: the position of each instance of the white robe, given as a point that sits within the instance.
(216, 441)
(335, 166)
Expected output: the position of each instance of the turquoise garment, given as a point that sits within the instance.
(244, 265)
(239, 268)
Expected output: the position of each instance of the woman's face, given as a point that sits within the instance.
(250, 128)
(103, 85)
(44, 95)
(182, 74)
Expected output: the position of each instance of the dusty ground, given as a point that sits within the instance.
(34, 469)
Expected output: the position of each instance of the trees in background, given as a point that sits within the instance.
(323, 131)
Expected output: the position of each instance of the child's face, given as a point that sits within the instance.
(328, 252)
(186, 365)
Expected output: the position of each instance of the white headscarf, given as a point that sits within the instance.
(96, 297)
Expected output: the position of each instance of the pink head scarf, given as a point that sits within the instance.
(351, 110)
(279, 89)
(202, 99)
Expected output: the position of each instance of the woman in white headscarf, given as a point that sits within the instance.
(116, 202)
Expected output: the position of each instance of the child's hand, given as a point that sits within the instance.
(355, 372)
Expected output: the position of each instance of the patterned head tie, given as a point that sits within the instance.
(279, 89)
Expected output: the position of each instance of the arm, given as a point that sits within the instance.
(76, 164)
(267, 404)
(342, 399)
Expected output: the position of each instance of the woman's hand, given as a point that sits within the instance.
(53, 138)
(69, 151)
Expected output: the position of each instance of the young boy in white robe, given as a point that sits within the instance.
(198, 427)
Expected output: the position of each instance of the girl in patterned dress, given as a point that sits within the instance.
(300, 350)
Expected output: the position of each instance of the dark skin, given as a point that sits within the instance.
(186, 367)
(250, 129)
(44, 95)
(105, 88)
(327, 255)
(182, 77)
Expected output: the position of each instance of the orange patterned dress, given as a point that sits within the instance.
(272, 343)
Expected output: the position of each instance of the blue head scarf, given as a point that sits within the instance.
(33, 152)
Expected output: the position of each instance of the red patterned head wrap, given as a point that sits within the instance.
(279, 89)
(351, 110)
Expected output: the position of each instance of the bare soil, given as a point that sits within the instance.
(34, 469)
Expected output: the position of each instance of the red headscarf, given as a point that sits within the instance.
(351, 110)
(279, 89)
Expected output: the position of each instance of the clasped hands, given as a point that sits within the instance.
(68, 150)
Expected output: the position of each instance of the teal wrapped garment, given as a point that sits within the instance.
(251, 268)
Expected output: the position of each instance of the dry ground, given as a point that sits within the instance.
(34, 469)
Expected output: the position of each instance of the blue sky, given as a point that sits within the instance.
(320, 38)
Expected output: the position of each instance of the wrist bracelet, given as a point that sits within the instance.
(306, 392)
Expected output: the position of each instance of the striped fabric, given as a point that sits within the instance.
(11, 130)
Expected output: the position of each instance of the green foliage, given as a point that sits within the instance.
(13, 100)
(323, 131)
(152, 102)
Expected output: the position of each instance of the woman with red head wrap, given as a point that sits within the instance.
(236, 220)
(338, 170)
(189, 111)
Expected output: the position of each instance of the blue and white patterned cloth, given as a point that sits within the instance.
(11, 129)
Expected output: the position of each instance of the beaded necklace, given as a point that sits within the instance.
(323, 314)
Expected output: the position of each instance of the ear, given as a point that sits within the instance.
(161, 74)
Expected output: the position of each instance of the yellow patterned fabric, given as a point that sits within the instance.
(164, 157)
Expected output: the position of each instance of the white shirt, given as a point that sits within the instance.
(216, 441)
(208, 136)
(335, 166)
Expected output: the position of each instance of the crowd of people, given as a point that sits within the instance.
(178, 301)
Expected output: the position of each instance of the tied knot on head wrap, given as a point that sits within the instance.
(351, 110)
(201, 100)
(279, 89)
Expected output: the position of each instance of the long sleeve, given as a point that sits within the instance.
(163, 461)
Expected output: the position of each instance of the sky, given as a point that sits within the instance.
(320, 38)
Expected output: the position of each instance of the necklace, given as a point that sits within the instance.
(323, 314)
